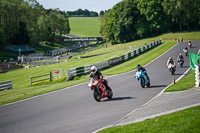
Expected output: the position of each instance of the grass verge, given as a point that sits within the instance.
(186, 121)
(185, 83)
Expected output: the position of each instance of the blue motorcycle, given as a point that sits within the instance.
(142, 78)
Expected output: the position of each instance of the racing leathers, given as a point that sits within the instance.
(98, 75)
(144, 70)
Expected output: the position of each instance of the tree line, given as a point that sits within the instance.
(82, 13)
(134, 19)
(27, 22)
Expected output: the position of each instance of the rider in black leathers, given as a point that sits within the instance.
(139, 68)
(180, 57)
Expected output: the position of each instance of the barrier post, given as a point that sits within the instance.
(173, 80)
(31, 80)
(197, 75)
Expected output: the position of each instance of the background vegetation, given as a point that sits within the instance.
(82, 13)
(26, 22)
(133, 19)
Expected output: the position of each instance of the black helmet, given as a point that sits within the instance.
(138, 66)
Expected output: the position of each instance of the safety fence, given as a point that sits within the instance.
(44, 77)
(53, 75)
(71, 73)
(5, 85)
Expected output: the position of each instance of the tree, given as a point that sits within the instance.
(182, 12)
(102, 13)
(21, 37)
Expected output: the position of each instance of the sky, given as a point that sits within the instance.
(72, 5)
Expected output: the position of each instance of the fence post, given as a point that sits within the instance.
(31, 80)
(197, 75)
(11, 84)
(50, 75)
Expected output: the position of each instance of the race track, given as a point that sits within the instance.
(74, 110)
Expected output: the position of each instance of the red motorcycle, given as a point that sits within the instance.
(100, 91)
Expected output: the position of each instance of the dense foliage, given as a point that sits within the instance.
(133, 19)
(82, 13)
(27, 22)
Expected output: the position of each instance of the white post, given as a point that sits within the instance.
(197, 75)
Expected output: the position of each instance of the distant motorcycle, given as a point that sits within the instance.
(172, 68)
(185, 52)
(99, 89)
(190, 44)
(143, 79)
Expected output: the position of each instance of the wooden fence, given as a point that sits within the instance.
(5, 85)
(50, 78)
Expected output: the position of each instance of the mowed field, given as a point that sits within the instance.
(85, 26)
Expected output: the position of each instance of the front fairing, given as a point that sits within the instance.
(90, 82)
(139, 74)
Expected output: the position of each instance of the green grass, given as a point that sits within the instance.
(185, 83)
(186, 121)
(85, 26)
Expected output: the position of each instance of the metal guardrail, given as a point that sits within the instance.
(5, 85)
(71, 73)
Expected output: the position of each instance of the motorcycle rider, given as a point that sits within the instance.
(189, 43)
(170, 61)
(139, 68)
(180, 57)
(185, 50)
(95, 74)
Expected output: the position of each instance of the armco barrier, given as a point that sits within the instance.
(5, 85)
(100, 65)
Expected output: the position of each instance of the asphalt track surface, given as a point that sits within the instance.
(74, 110)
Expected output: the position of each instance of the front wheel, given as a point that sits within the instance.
(110, 93)
(97, 94)
(148, 83)
(142, 82)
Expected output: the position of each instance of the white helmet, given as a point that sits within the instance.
(180, 54)
(93, 69)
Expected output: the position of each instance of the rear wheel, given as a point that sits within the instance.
(142, 82)
(172, 71)
(97, 94)
(181, 65)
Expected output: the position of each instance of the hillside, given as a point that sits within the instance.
(85, 26)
